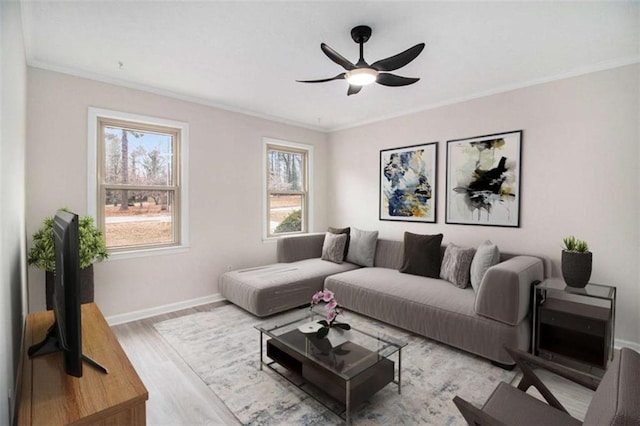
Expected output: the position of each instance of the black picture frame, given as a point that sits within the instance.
(408, 183)
(483, 180)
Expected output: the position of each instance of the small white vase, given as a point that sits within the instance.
(337, 336)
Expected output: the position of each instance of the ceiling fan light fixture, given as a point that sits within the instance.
(361, 76)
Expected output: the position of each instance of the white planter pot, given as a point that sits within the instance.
(337, 336)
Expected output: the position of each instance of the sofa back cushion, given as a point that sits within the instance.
(389, 254)
(300, 247)
(616, 401)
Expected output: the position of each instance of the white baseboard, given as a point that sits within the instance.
(185, 304)
(619, 343)
(159, 310)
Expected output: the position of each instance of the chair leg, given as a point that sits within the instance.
(529, 379)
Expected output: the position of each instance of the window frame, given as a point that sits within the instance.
(98, 118)
(307, 192)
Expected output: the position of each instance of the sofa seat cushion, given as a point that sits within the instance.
(430, 307)
(385, 290)
(266, 290)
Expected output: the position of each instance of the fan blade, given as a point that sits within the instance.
(337, 77)
(394, 80)
(336, 57)
(353, 89)
(399, 60)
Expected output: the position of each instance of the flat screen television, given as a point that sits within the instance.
(65, 335)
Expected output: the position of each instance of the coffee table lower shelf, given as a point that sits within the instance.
(350, 393)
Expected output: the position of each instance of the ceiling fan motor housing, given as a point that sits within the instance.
(361, 33)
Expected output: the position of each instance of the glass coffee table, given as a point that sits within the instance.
(349, 372)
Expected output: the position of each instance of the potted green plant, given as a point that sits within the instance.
(576, 262)
(92, 249)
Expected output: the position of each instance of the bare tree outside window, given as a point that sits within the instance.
(287, 190)
(139, 192)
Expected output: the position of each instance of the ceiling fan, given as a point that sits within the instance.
(361, 73)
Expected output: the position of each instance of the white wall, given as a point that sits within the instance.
(579, 174)
(225, 179)
(13, 95)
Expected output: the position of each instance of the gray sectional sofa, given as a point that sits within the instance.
(478, 322)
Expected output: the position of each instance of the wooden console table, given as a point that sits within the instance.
(49, 396)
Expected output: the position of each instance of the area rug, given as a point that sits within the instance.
(222, 347)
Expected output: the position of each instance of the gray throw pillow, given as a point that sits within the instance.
(333, 247)
(362, 247)
(346, 230)
(422, 255)
(486, 256)
(456, 265)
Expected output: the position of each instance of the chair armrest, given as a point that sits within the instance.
(505, 291)
(474, 415)
(529, 378)
(292, 249)
(522, 358)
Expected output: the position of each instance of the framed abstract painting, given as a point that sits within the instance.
(483, 180)
(408, 183)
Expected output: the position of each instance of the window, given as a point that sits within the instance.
(287, 185)
(138, 175)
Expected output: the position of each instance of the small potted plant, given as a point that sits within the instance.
(576, 262)
(92, 249)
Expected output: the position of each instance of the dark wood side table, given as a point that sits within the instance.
(574, 326)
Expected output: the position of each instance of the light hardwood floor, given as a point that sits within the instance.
(177, 396)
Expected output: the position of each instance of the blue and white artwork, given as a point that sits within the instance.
(408, 183)
(483, 180)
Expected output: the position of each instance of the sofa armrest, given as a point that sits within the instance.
(505, 291)
(292, 249)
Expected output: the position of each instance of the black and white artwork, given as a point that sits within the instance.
(483, 180)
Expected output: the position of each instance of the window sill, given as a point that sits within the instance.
(275, 239)
(147, 252)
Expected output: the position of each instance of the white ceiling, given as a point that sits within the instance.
(246, 56)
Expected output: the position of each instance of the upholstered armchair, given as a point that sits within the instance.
(616, 400)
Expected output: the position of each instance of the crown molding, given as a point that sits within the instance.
(602, 66)
(164, 92)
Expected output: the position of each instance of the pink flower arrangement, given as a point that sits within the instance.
(333, 310)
